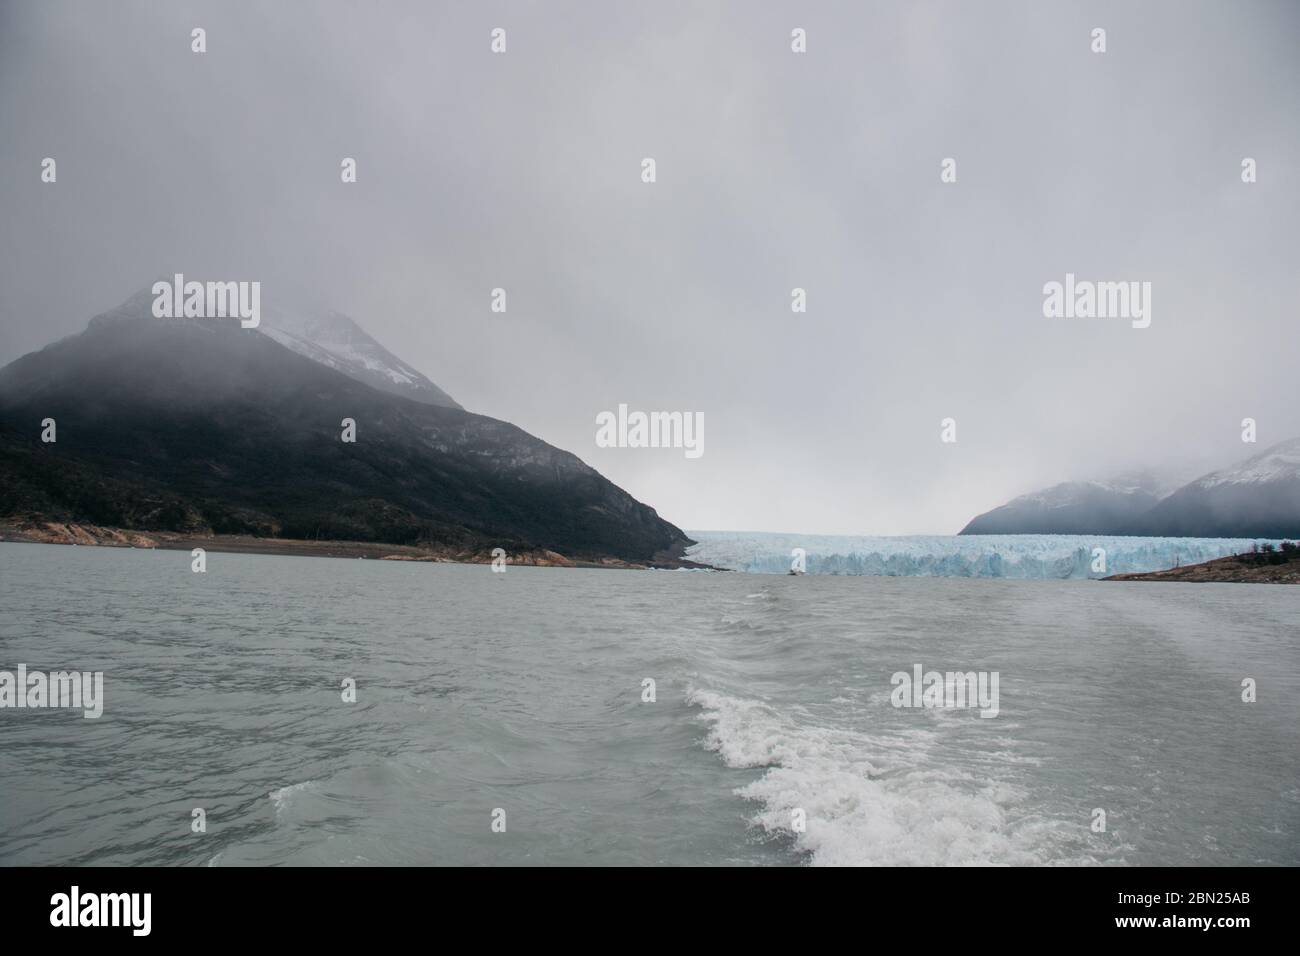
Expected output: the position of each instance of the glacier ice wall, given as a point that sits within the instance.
(963, 556)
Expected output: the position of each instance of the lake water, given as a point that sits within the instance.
(522, 692)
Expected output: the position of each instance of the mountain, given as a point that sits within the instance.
(335, 341)
(198, 426)
(1073, 507)
(326, 337)
(1258, 497)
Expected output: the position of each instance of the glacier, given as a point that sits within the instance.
(1023, 556)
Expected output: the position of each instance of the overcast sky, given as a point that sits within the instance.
(775, 170)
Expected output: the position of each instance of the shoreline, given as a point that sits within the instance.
(90, 535)
(1248, 568)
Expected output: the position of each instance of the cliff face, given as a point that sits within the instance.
(198, 425)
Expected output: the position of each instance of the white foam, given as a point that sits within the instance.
(282, 799)
(874, 801)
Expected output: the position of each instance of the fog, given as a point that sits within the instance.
(775, 170)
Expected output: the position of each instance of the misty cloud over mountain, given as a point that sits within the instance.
(201, 426)
(775, 171)
(1257, 497)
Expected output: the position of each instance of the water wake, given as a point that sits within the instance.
(874, 800)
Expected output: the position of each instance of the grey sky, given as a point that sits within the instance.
(775, 170)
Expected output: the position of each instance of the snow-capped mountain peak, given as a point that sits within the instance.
(1136, 483)
(1278, 463)
(1257, 497)
(336, 341)
(1056, 496)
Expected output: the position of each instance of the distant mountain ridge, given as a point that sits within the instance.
(200, 426)
(1257, 497)
(1072, 507)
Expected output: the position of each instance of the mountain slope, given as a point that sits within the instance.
(1258, 497)
(1074, 507)
(335, 341)
(196, 425)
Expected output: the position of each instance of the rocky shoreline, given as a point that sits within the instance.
(90, 535)
(1267, 567)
